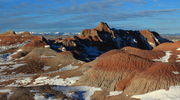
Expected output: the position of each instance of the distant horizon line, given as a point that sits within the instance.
(79, 32)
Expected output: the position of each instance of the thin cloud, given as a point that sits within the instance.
(74, 16)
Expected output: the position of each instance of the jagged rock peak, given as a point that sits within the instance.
(9, 33)
(102, 26)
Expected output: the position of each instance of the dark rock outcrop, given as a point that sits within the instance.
(93, 42)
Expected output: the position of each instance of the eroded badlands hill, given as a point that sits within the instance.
(99, 64)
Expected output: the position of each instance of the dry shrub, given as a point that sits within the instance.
(32, 66)
(22, 94)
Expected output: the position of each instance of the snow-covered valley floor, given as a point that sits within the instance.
(17, 80)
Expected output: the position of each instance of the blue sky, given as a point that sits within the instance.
(162, 16)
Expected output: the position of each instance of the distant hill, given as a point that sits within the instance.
(174, 34)
(50, 33)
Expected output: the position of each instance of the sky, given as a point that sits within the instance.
(162, 16)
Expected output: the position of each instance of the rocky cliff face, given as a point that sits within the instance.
(93, 42)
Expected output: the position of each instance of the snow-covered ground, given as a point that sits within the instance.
(44, 80)
(6, 91)
(113, 93)
(15, 66)
(152, 44)
(177, 60)
(68, 67)
(164, 58)
(175, 72)
(39, 96)
(19, 50)
(5, 59)
(24, 81)
(43, 56)
(14, 76)
(17, 45)
(172, 94)
(46, 67)
(10, 67)
(80, 92)
(178, 56)
(47, 46)
(178, 49)
(64, 85)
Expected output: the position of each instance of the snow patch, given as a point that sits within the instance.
(81, 62)
(63, 49)
(78, 92)
(11, 67)
(178, 49)
(24, 81)
(175, 72)
(134, 40)
(33, 90)
(113, 93)
(68, 67)
(5, 59)
(7, 91)
(14, 76)
(15, 66)
(172, 94)
(177, 60)
(19, 50)
(2, 68)
(43, 56)
(55, 81)
(47, 46)
(46, 67)
(164, 58)
(178, 56)
(156, 39)
(39, 96)
(17, 45)
(59, 64)
(21, 58)
(152, 44)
